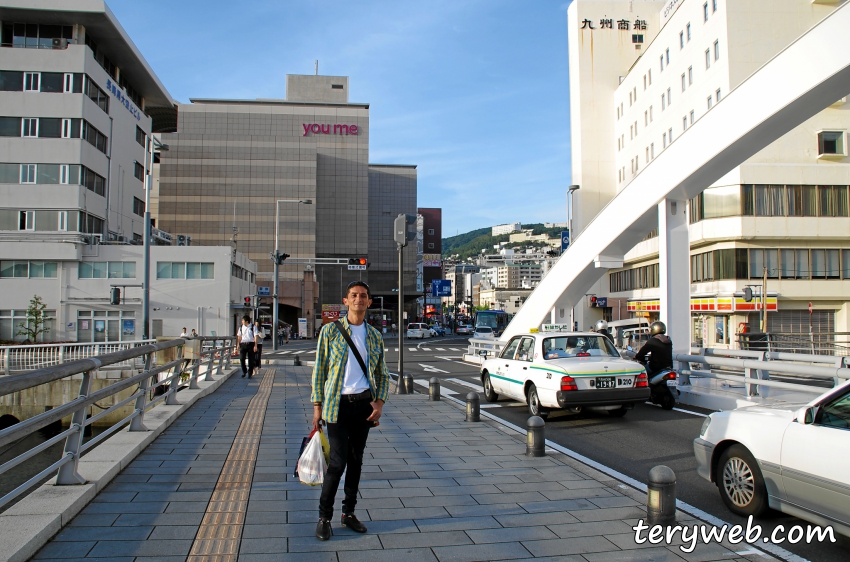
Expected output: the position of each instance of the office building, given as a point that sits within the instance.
(641, 74)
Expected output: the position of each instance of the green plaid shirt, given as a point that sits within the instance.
(331, 358)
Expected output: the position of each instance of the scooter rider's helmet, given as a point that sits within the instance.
(657, 328)
(602, 326)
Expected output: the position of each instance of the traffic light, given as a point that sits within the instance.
(593, 301)
(358, 261)
(114, 295)
(404, 229)
(248, 302)
(281, 258)
(748, 294)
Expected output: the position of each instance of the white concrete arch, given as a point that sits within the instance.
(803, 79)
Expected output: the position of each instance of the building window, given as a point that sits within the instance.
(709, 101)
(32, 81)
(183, 270)
(683, 81)
(647, 155)
(95, 94)
(63, 221)
(107, 270)
(92, 181)
(646, 118)
(31, 269)
(138, 207)
(831, 143)
(708, 58)
(139, 171)
(140, 136)
(713, 6)
(667, 56)
(94, 137)
(690, 76)
(685, 123)
(692, 116)
(716, 50)
(637, 39)
(652, 151)
(649, 75)
(644, 81)
(430, 245)
(670, 134)
(717, 95)
(650, 114)
(29, 127)
(27, 173)
(705, 11)
(669, 96)
(27, 220)
(661, 61)
(663, 102)
(688, 29)
(681, 40)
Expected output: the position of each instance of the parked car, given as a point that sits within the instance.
(417, 331)
(564, 370)
(795, 460)
(437, 330)
(463, 330)
(484, 332)
(267, 328)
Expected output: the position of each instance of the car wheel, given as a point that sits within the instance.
(740, 482)
(534, 407)
(618, 413)
(490, 395)
(667, 401)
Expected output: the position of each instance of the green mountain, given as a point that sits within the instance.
(471, 243)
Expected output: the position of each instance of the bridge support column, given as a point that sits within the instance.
(674, 274)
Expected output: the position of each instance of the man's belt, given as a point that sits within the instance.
(365, 395)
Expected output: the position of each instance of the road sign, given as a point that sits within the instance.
(356, 268)
(264, 291)
(441, 288)
(601, 302)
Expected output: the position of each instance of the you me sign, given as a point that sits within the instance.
(326, 128)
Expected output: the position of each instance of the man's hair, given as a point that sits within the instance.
(357, 284)
(246, 318)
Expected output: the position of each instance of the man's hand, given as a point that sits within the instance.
(255, 348)
(317, 416)
(377, 412)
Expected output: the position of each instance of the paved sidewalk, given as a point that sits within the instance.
(218, 485)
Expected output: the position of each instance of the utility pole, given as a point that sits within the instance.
(764, 302)
(402, 233)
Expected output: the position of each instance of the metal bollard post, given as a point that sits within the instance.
(434, 389)
(535, 437)
(408, 383)
(297, 361)
(193, 379)
(473, 407)
(661, 496)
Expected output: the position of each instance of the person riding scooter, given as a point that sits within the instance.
(602, 328)
(659, 348)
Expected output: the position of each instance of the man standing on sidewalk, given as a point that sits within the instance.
(350, 387)
(246, 340)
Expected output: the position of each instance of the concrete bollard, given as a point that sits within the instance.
(535, 437)
(473, 407)
(434, 389)
(661, 496)
(408, 383)
(296, 361)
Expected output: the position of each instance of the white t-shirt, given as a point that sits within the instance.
(355, 381)
(246, 333)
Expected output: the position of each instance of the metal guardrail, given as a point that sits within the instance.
(20, 358)
(76, 408)
(477, 345)
(822, 343)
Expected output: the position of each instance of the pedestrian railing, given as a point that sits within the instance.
(756, 370)
(822, 343)
(144, 397)
(21, 358)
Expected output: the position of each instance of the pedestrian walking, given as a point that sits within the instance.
(261, 335)
(286, 334)
(194, 334)
(183, 334)
(246, 339)
(350, 385)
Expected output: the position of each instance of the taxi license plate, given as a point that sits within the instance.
(606, 382)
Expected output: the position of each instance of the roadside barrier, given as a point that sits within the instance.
(473, 407)
(535, 437)
(661, 496)
(434, 389)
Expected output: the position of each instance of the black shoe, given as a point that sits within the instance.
(352, 523)
(243, 375)
(324, 530)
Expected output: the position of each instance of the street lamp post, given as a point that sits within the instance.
(146, 239)
(276, 260)
(570, 190)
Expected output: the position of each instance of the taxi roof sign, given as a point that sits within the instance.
(557, 328)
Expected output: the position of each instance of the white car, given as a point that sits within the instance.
(417, 331)
(465, 330)
(794, 460)
(564, 370)
(483, 332)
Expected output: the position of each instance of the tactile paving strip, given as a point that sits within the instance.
(220, 532)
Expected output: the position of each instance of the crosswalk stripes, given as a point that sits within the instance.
(440, 349)
(426, 349)
(453, 349)
(411, 349)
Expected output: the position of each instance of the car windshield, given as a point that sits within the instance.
(578, 346)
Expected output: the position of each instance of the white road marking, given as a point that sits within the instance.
(443, 390)
(440, 349)
(453, 349)
(432, 369)
(466, 384)
(681, 410)
(426, 349)
(411, 349)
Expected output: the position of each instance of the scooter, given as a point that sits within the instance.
(659, 391)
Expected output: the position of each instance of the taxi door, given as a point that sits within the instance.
(504, 363)
(520, 368)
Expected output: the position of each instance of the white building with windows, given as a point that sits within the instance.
(506, 228)
(641, 73)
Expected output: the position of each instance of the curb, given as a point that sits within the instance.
(32, 522)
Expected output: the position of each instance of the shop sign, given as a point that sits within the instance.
(326, 128)
(115, 90)
(622, 25)
(708, 304)
(432, 260)
(644, 306)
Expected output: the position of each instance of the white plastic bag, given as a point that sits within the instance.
(312, 465)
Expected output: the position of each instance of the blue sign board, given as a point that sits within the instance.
(601, 302)
(565, 240)
(441, 288)
(264, 291)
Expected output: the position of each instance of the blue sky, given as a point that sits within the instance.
(472, 91)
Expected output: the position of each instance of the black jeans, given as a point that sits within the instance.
(347, 439)
(246, 350)
(258, 356)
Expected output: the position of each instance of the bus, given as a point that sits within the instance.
(496, 319)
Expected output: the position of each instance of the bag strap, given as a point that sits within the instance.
(352, 347)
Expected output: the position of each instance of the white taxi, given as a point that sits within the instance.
(564, 370)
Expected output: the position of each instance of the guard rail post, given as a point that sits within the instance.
(229, 351)
(171, 397)
(193, 380)
(6, 356)
(68, 474)
(209, 376)
(61, 354)
(220, 355)
(138, 422)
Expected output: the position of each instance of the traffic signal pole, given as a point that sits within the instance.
(399, 387)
